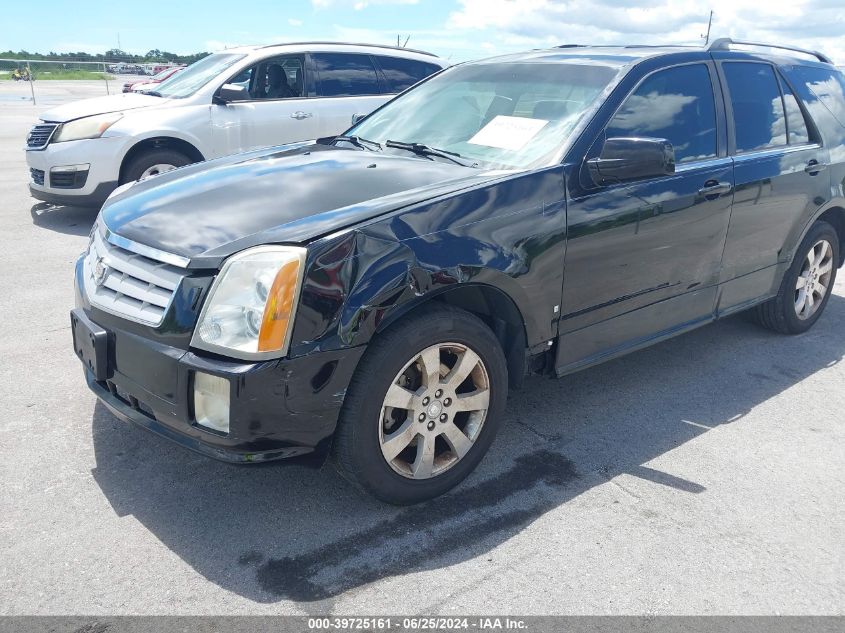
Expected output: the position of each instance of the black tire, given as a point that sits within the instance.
(141, 163)
(779, 313)
(357, 451)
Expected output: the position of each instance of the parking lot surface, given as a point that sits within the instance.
(704, 475)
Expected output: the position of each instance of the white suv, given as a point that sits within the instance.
(228, 102)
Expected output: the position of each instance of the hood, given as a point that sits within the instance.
(99, 105)
(210, 210)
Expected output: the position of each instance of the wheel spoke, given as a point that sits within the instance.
(811, 258)
(430, 361)
(399, 397)
(463, 367)
(424, 463)
(822, 252)
(826, 267)
(810, 301)
(821, 289)
(398, 441)
(475, 401)
(459, 442)
(801, 301)
(802, 282)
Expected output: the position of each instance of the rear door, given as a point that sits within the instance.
(781, 176)
(400, 73)
(269, 115)
(346, 84)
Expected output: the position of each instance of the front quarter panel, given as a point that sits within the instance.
(189, 122)
(509, 235)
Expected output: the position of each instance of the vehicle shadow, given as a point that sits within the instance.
(62, 219)
(278, 532)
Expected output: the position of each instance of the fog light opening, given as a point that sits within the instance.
(211, 402)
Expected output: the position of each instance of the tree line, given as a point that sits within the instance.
(110, 56)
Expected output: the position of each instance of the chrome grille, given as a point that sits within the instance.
(127, 284)
(40, 135)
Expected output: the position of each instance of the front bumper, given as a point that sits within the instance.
(103, 157)
(277, 409)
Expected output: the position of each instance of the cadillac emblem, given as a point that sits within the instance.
(100, 271)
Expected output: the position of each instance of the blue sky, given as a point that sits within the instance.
(457, 29)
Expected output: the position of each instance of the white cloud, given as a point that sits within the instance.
(358, 5)
(294, 22)
(532, 23)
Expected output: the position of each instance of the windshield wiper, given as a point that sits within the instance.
(357, 141)
(424, 150)
(152, 93)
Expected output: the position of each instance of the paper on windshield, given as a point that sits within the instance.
(508, 132)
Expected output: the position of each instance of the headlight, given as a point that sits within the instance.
(86, 127)
(249, 311)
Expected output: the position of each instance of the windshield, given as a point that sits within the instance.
(188, 81)
(499, 115)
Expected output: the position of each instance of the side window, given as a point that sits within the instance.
(796, 126)
(822, 91)
(345, 75)
(403, 73)
(759, 119)
(274, 78)
(676, 104)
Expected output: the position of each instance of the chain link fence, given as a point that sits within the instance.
(105, 77)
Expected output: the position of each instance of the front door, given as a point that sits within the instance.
(278, 109)
(643, 256)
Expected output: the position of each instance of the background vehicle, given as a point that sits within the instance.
(228, 102)
(374, 295)
(152, 82)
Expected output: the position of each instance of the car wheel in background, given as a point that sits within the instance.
(152, 163)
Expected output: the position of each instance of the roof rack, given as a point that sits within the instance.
(723, 44)
(396, 48)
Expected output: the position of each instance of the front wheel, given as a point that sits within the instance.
(806, 286)
(423, 406)
(152, 163)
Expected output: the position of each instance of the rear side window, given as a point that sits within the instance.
(402, 73)
(796, 126)
(824, 85)
(759, 119)
(676, 104)
(345, 75)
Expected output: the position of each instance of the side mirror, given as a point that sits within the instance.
(231, 92)
(632, 159)
(357, 117)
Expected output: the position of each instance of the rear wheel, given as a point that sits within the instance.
(423, 406)
(806, 286)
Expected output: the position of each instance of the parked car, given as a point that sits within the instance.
(373, 295)
(227, 102)
(152, 82)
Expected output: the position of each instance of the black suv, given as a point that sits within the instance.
(372, 296)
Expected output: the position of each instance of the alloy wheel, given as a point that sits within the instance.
(434, 410)
(155, 170)
(813, 282)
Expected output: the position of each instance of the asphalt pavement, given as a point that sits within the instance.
(703, 475)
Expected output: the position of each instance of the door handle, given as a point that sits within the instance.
(814, 167)
(714, 188)
(299, 115)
